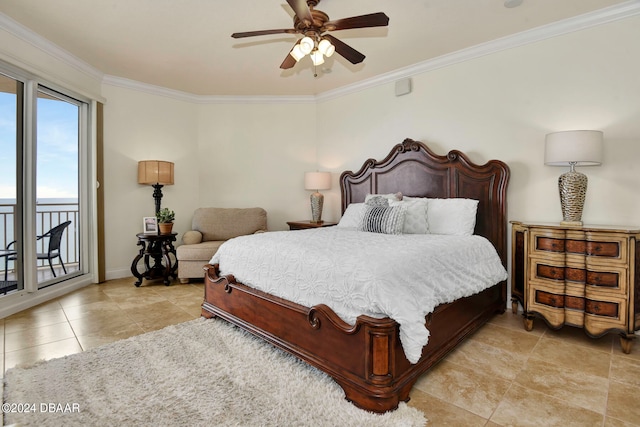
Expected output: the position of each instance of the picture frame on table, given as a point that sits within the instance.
(150, 225)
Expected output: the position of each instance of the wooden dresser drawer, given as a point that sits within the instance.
(576, 244)
(594, 312)
(610, 279)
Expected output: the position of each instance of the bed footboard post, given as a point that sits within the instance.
(380, 362)
(380, 391)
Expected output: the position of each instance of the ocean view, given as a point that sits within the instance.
(46, 200)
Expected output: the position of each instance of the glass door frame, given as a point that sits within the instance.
(78, 225)
(25, 215)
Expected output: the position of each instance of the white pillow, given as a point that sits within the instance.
(352, 216)
(415, 218)
(452, 216)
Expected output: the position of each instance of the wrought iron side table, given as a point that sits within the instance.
(159, 249)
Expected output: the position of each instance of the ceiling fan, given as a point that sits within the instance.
(315, 25)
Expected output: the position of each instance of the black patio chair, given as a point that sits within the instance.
(55, 237)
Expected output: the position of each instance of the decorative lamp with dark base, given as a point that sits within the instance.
(317, 181)
(573, 148)
(156, 173)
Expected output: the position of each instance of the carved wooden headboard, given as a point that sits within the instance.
(414, 170)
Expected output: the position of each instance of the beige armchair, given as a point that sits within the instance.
(211, 227)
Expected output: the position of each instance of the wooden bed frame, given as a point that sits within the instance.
(366, 359)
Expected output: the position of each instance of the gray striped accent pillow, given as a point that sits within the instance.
(387, 220)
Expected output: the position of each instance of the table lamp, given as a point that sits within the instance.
(573, 148)
(156, 173)
(317, 181)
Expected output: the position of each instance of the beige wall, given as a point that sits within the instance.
(502, 106)
(497, 106)
(139, 126)
(256, 155)
(234, 155)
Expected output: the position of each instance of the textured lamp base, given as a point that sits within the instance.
(317, 200)
(572, 186)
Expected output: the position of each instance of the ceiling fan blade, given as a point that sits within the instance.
(263, 33)
(349, 53)
(288, 62)
(301, 10)
(363, 21)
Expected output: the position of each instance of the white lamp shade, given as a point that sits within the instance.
(582, 147)
(317, 58)
(297, 53)
(326, 48)
(317, 180)
(307, 45)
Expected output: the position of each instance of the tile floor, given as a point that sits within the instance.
(501, 376)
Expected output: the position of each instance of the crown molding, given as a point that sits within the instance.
(204, 99)
(577, 23)
(36, 40)
(297, 99)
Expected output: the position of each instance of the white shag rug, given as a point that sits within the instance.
(201, 372)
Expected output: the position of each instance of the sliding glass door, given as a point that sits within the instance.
(43, 144)
(57, 202)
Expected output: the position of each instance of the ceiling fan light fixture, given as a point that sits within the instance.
(317, 57)
(297, 53)
(306, 44)
(326, 48)
(311, 28)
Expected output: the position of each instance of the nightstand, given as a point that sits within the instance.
(587, 277)
(159, 248)
(302, 225)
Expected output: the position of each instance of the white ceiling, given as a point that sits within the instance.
(185, 45)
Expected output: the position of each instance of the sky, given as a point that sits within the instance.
(57, 148)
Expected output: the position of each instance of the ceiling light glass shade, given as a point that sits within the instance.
(297, 53)
(326, 48)
(306, 44)
(317, 58)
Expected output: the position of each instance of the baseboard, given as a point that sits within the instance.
(118, 274)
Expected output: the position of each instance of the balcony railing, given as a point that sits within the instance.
(48, 215)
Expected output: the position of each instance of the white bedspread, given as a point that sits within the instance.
(402, 276)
